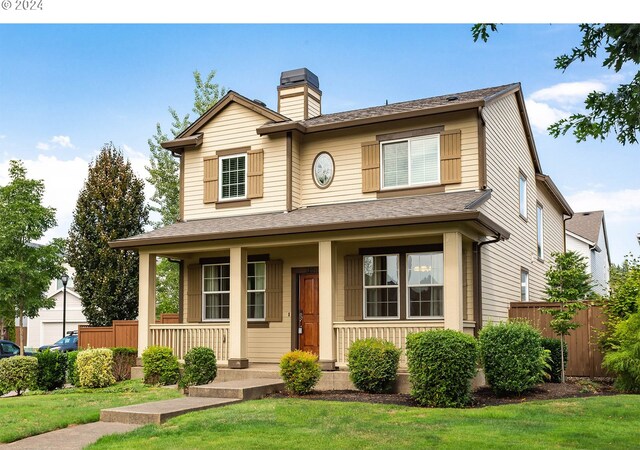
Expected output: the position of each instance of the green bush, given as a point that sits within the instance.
(52, 370)
(160, 366)
(553, 345)
(512, 356)
(373, 364)
(300, 371)
(18, 373)
(72, 368)
(442, 364)
(124, 358)
(200, 367)
(95, 368)
(624, 361)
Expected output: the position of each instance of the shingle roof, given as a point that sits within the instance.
(432, 208)
(586, 224)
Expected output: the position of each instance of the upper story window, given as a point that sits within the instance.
(411, 162)
(523, 196)
(233, 177)
(255, 290)
(381, 287)
(425, 284)
(540, 225)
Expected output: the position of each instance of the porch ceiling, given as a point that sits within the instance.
(433, 208)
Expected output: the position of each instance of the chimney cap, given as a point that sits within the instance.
(299, 76)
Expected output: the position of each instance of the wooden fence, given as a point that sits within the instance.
(121, 333)
(585, 358)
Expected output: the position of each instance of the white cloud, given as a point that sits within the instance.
(541, 115)
(568, 93)
(62, 141)
(42, 146)
(3, 136)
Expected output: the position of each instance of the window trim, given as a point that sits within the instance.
(408, 286)
(522, 177)
(365, 287)
(204, 294)
(264, 291)
(221, 158)
(409, 140)
(540, 231)
(524, 271)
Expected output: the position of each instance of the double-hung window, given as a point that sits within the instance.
(524, 285)
(523, 196)
(540, 225)
(233, 177)
(411, 162)
(425, 284)
(381, 287)
(255, 290)
(216, 292)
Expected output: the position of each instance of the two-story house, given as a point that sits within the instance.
(308, 230)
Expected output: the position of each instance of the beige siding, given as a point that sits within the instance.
(313, 107)
(508, 154)
(235, 127)
(345, 147)
(295, 172)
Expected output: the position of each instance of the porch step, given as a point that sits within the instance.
(249, 389)
(269, 371)
(160, 411)
(137, 373)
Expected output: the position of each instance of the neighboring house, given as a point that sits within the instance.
(46, 328)
(307, 230)
(587, 235)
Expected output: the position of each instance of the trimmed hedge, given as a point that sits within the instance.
(124, 358)
(373, 364)
(52, 370)
(442, 364)
(200, 367)
(512, 355)
(95, 368)
(553, 345)
(72, 368)
(300, 371)
(18, 373)
(160, 366)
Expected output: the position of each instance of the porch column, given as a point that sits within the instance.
(453, 295)
(238, 309)
(146, 298)
(326, 281)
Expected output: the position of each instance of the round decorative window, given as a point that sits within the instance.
(323, 170)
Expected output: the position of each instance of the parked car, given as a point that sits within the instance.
(68, 343)
(8, 349)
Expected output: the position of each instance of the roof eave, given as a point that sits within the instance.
(179, 145)
(548, 182)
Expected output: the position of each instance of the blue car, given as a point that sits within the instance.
(66, 344)
(8, 349)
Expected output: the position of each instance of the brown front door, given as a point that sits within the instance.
(308, 294)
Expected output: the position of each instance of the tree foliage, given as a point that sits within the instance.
(615, 112)
(26, 269)
(111, 206)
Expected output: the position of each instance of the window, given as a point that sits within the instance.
(216, 292)
(381, 287)
(411, 162)
(425, 280)
(255, 290)
(540, 224)
(524, 285)
(233, 177)
(523, 196)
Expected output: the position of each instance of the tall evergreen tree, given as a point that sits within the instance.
(26, 269)
(111, 206)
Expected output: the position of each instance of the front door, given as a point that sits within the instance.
(309, 295)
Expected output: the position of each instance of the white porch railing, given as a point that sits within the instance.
(182, 337)
(395, 332)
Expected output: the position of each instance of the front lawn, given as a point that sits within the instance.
(36, 413)
(596, 422)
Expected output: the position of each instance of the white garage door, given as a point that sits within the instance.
(52, 331)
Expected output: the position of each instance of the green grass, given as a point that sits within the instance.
(38, 412)
(596, 422)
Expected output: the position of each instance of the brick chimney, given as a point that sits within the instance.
(299, 94)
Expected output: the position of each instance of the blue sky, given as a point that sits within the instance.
(67, 89)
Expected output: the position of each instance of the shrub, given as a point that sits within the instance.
(300, 371)
(512, 356)
(553, 346)
(95, 368)
(442, 364)
(373, 364)
(624, 361)
(160, 366)
(18, 373)
(52, 370)
(199, 367)
(72, 368)
(123, 359)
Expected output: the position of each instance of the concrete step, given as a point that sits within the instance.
(249, 389)
(160, 411)
(257, 371)
(137, 373)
